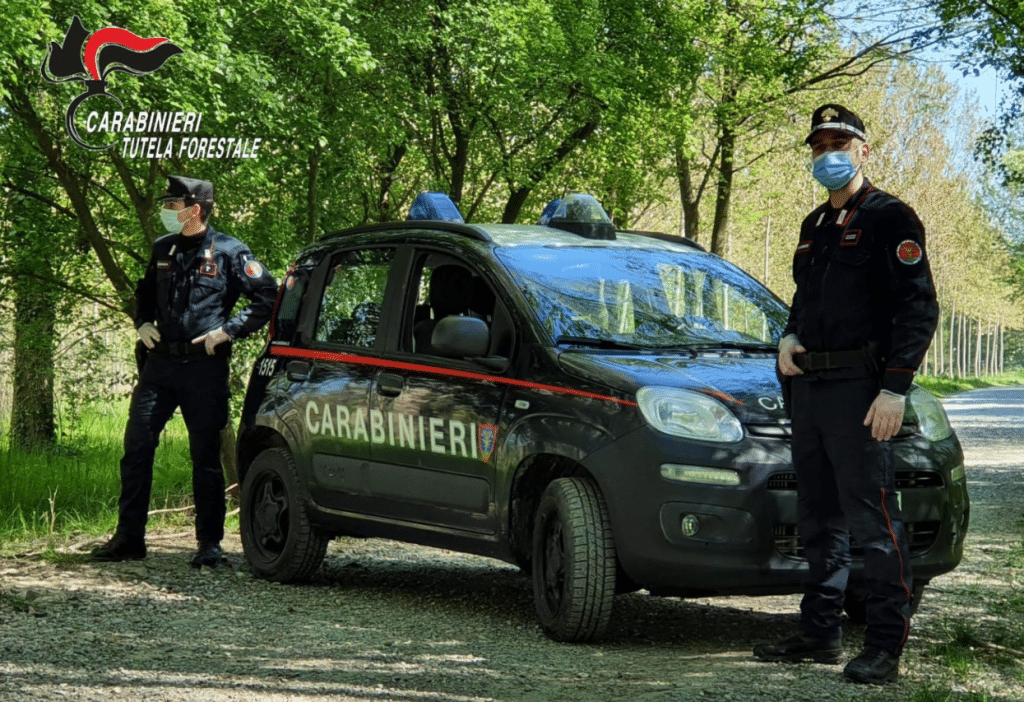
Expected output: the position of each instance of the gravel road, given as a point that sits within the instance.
(387, 621)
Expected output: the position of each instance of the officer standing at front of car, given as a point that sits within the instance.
(862, 318)
(183, 317)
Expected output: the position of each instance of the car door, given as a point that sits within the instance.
(435, 421)
(334, 371)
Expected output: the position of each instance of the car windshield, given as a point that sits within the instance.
(626, 298)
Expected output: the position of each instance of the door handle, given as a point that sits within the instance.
(390, 385)
(298, 371)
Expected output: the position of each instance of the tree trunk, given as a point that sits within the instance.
(228, 455)
(952, 346)
(689, 200)
(977, 350)
(962, 347)
(32, 420)
(542, 167)
(723, 197)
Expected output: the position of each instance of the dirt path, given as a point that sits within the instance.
(388, 621)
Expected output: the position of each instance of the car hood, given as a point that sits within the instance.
(747, 385)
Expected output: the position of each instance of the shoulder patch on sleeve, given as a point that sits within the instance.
(253, 269)
(909, 252)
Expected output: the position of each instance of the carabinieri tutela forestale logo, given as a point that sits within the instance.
(91, 57)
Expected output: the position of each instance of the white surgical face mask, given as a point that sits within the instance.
(170, 221)
(834, 169)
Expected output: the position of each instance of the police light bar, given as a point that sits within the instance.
(549, 211)
(583, 215)
(434, 207)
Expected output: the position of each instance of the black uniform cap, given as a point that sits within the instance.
(837, 117)
(188, 189)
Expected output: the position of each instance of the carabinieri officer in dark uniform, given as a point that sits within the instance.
(183, 317)
(862, 318)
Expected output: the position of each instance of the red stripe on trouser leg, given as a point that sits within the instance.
(903, 580)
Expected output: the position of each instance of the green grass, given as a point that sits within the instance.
(73, 487)
(944, 387)
(933, 693)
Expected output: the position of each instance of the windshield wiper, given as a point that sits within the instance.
(598, 343)
(764, 348)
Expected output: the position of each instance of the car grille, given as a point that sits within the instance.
(905, 480)
(920, 537)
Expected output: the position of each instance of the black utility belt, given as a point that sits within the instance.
(185, 348)
(831, 360)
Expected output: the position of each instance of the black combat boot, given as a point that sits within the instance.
(802, 647)
(120, 548)
(209, 554)
(874, 666)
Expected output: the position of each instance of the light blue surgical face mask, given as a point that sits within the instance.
(833, 169)
(170, 221)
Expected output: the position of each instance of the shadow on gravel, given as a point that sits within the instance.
(497, 594)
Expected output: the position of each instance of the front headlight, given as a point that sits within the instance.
(931, 417)
(691, 415)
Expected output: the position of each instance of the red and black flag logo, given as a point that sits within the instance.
(90, 58)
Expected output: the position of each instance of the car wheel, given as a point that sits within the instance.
(573, 561)
(855, 603)
(277, 537)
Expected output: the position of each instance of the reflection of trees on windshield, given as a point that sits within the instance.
(648, 298)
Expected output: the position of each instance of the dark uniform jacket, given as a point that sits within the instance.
(863, 278)
(189, 293)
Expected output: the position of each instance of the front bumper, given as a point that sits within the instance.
(746, 541)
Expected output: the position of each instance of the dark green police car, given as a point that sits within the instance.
(599, 407)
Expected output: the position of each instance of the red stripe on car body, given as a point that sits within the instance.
(434, 370)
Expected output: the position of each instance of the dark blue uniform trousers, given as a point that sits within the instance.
(846, 485)
(199, 385)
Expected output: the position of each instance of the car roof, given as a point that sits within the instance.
(525, 235)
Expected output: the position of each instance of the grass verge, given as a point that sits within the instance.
(72, 488)
(944, 387)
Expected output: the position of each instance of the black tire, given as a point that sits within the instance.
(277, 537)
(855, 603)
(573, 561)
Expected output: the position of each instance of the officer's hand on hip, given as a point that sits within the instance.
(885, 416)
(149, 334)
(211, 339)
(787, 347)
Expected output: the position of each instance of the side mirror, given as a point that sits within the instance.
(461, 337)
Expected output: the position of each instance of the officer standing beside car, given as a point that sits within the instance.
(862, 318)
(183, 317)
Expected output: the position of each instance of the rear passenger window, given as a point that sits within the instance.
(354, 297)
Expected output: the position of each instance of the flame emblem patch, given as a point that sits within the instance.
(89, 57)
(909, 252)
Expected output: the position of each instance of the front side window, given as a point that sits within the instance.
(650, 299)
(353, 298)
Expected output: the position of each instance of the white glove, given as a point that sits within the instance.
(788, 346)
(211, 339)
(149, 334)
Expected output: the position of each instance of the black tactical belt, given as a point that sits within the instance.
(829, 360)
(178, 348)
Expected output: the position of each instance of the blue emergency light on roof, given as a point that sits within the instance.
(583, 215)
(434, 207)
(549, 211)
